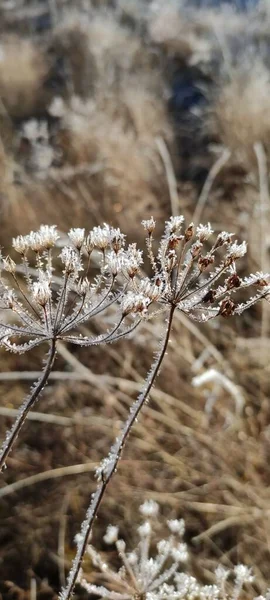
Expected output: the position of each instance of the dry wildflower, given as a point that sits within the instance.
(156, 572)
(141, 575)
(177, 283)
(189, 273)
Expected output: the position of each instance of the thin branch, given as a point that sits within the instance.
(26, 406)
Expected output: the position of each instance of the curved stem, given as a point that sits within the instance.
(27, 405)
(109, 464)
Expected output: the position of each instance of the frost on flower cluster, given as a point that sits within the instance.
(160, 572)
(44, 307)
(188, 273)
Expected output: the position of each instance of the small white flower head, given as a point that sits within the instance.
(111, 534)
(223, 238)
(163, 547)
(180, 553)
(149, 509)
(209, 592)
(35, 241)
(134, 260)
(132, 558)
(100, 237)
(145, 529)
(117, 239)
(76, 235)
(9, 265)
(177, 526)
(174, 225)
(221, 574)
(187, 586)
(57, 107)
(71, 260)
(237, 250)
(204, 232)
(243, 574)
(82, 287)
(120, 545)
(115, 263)
(48, 235)
(20, 244)
(150, 290)
(149, 225)
(9, 298)
(41, 291)
(135, 303)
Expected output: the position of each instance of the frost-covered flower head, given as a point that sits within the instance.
(159, 572)
(195, 272)
(143, 574)
(190, 273)
(45, 307)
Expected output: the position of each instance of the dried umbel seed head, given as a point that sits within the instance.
(149, 225)
(20, 244)
(159, 575)
(193, 276)
(143, 575)
(204, 232)
(9, 265)
(189, 232)
(77, 236)
(41, 292)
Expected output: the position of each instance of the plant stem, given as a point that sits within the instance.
(109, 465)
(27, 405)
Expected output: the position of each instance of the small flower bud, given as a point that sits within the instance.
(233, 281)
(189, 232)
(196, 249)
(149, 225)
(76, 235)
(223, 238)
(205, 261)
(20, 244)
(227, 308)
(209, 296)
(9, 265)
(174, 241)
(41, 292)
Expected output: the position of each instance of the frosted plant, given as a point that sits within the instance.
(188, 274)
(141, 575)
(44, 309)
(147, 574)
